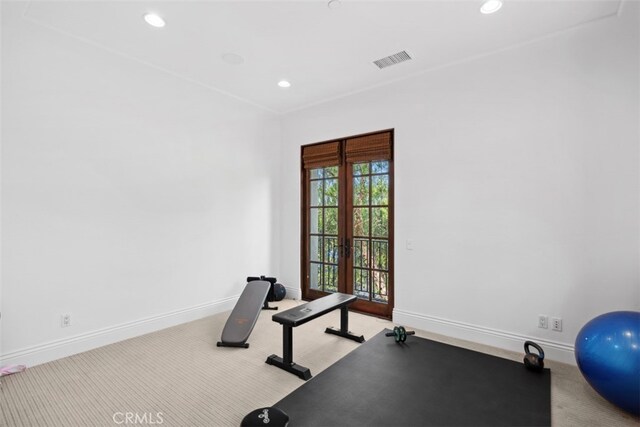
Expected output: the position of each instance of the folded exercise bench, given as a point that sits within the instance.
(244, 315)
(302, 314)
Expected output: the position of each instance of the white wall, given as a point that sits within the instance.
(517, 178)
(130, 199)
(134, 200)
(1, 188)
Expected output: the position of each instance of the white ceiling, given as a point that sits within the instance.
(324, 53)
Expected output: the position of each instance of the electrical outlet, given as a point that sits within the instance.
(543, 321)
(65, 320)
(556, 324)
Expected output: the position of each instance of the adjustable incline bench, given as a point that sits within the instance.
(302, 314)
(244, 315)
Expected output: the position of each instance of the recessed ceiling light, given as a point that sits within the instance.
(154, 20)
(491, 6)
(284, 83)
(232, 58)
(334, 4)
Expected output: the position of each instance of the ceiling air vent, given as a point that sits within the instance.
(390, 60)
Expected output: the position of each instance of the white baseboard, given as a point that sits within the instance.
(293, 293)
(54, 350)
(553, 350)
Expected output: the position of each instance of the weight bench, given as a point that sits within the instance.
(302, 314)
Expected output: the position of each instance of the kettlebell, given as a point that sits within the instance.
(532, 361)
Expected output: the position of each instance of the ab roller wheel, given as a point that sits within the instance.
(399, 333)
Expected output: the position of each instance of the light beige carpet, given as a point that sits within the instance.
(178, 377)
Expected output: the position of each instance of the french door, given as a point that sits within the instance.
(347, 220)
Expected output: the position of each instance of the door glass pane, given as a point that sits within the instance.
(380, 286)
(331, 192)
(361, 283)
(331, 221)
(316, 193)
(323, 236)
(361, 168)
(316, 220)
(314, 248)
(330, 278)
(380, 226)
(361, 191)
(360, 221)
(331, 250)
(331, 172)
(361, 253)
(315, 276)
(380, 190)
(357, 253)
(380, 255)
(380, 167)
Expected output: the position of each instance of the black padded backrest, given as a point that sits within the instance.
(271, 296)
(244, 315)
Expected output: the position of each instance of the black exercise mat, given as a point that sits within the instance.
(421, 383)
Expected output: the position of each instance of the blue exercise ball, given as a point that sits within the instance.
(607, 351)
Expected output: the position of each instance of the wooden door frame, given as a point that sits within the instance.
(369, 307)
(310, 294)
(306, 292)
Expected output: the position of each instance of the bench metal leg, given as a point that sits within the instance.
(286, 361)
(287, 344)
(344, 327)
